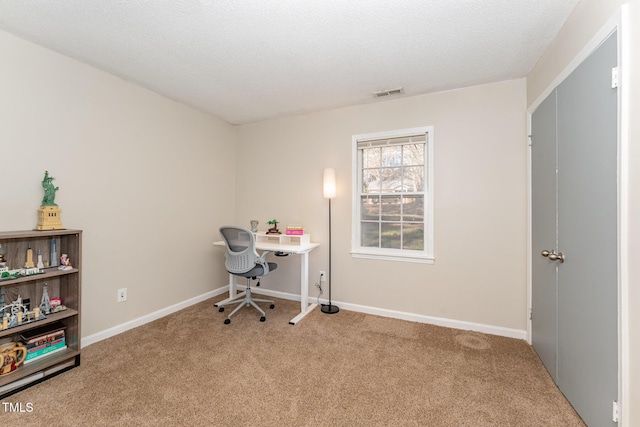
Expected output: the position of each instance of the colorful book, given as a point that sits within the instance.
(294, 230)
(44, 346)
(44, 334)
(47, 352)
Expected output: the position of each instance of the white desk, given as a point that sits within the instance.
(295, 245)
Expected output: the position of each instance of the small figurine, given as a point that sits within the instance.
(54, 254)
(49, 213)
(65, 263)
(29, 263)
(40, 264)
(49, 190)
(45, 303)
(274, 229)
(64, 260)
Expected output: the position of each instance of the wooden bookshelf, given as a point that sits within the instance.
(65, 284)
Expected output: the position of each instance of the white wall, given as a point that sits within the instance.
(479, 274)
(148, 179)
(584, 23)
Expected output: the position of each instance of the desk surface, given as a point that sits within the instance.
(280, 247)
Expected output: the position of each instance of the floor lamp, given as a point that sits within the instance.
(329, 192)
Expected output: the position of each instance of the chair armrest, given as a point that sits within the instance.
(262, 260)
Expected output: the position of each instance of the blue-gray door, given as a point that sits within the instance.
(580, 310)
(544, 221)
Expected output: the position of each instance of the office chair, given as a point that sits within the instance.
(242, 259)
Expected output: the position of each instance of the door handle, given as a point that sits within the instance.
(552, 255)
(556, 256)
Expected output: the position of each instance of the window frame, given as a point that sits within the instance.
(425, 255)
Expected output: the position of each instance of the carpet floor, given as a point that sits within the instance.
(346, 369)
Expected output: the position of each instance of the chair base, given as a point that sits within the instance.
(245, 300)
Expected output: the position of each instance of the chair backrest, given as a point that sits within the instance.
(241, 253)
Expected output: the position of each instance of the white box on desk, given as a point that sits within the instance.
(284, 239)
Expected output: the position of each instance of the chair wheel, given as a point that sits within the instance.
(221, 309)
(272, 306)
(227, 321)
(262, 319)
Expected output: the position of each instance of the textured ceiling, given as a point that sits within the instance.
(249, 60)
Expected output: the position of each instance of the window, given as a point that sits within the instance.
(393, 195)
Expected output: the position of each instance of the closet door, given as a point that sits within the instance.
(587, 235)
(574, 272)
(544, 319)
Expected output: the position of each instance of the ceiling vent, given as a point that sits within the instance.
(397, 91)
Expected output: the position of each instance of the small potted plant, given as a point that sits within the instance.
(274, 227)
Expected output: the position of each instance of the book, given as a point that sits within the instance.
(45, 347)
(50, 351)
(43, 334)
(294, 230)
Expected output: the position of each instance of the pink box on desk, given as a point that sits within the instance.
(295, 232)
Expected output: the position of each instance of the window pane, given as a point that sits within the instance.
(390, 235)
(390, 208)
(370, 208)
(413, 178)
(391, 214)
(413, 208)
(392, 156)
(391, 180)
(371, 180)
(369, 234)
(413, 154)
(413, 236)
(371, 158)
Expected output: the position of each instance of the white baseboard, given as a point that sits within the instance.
(412, 317)
(107, 333)
(438, 321)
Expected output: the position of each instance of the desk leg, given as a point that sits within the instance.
(305, 308)
(232, 290)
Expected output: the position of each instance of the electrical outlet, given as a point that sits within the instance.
(323, 276)
(122, 295)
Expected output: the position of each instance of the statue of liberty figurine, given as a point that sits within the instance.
(49, 190)
(48, 213)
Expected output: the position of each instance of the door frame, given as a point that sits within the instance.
(618, 22)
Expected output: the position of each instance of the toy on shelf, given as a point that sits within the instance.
(50, 305)
(49, 213)
(17, 313)
(40, 263)
(3, 262)
(29, 262)
(53, 254)
(6, 274)
(274, 228)
(65, 263)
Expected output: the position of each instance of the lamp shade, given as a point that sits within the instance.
(329, 183)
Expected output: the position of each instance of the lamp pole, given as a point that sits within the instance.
(329, 189)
